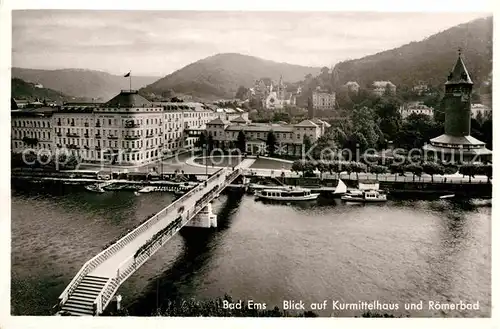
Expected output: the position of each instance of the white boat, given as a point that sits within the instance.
(137, 193)
(147, 189)
(341, 188)
(95, 188)
(290, 194)
(448, 196)
(254, 187)
(365, 196)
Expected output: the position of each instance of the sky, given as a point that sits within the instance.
(156, 43)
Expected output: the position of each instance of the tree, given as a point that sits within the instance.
(29, 141)
(298, 166)
(242, 93)
(357, 167)
(415, 169)
(469, 169)
(271, 142)
(310, 108)
(307, 143)
(202, 140)
(210, 143)
(241, 142)
(432, 168)
(417, 130)
(387, 109)
(347, 167)
(281, 116)
(487, 170)
(176, 100)
(397, 168)
(322, 166)
(378, 169)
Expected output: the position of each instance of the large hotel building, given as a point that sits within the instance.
(127, 130)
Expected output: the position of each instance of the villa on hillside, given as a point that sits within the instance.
(289, 138)
(415, 108)
(381, 87)
(352, 86)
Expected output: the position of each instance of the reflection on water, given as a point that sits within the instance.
(401, 251)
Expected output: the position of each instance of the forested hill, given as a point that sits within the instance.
(429, 60)
(26, 90)
(81, 83)
(219, 76)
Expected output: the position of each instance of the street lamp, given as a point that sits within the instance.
(206, 160)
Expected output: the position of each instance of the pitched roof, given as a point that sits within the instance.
(239, 119)
(459, 74)
(455, 140)
(261, 128)
(128, 98)
(306, 123)
(382, 84)
(321, 122)
(216, 121)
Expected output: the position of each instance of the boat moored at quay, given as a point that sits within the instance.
(290, 194)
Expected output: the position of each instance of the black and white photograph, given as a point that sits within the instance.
(239, 163)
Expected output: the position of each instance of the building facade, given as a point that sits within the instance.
(323, 100)
(480, 108)
(289, 138)
(127, 130)
(456, 144)
(381, 87)
(415, 108)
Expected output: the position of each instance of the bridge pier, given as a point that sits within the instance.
(205, 218)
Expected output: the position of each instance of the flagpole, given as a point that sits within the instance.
(130, 80)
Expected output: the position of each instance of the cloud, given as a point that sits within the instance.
(159, 42)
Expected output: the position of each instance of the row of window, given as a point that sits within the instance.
(125, 144)
(31, 123)
(21, 145)
(33, 134)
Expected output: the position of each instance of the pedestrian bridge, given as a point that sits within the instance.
(93, 287)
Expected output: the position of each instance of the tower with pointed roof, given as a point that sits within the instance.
(457, 100)
(456, 144)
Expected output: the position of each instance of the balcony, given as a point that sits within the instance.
(132, 125)
(86, 135)
(98, 136)
(72, 124)
(98, 148)
(112, 137)
(86, 124)
(150, 135)
(59, 134)
(72, 135)
(72, 147)
(98, 125)
(58, 123)
(132, 137)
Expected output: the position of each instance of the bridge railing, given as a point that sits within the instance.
(105, 254)
(126, 267)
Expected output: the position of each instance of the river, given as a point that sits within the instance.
(401, 251)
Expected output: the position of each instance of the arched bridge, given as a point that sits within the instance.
(93, 287)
